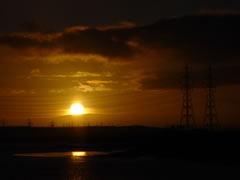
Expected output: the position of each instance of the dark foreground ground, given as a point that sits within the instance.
(137, 153)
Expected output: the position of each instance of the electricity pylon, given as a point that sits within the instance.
(3, 123)
(187, 119)
(52, 124)
(29, 122)
(211, 120)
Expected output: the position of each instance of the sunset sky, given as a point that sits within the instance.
(122, 60)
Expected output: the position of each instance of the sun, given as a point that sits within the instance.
(77, 109)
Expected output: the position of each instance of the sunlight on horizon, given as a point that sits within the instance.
(77, 109)
(79, 154)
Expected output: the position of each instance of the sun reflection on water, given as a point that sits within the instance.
(79, 154)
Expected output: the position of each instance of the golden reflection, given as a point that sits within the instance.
(79, 154)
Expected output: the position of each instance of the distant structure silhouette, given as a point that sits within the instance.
(52, 124)
(3, 123)
(211, 119)
(187, 120)
(29, 122)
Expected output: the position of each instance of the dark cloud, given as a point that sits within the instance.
(201, 39)
(21, 42)
(87, 41)
(191, 38)
(222, 76)
(196, 38)
(93, 41)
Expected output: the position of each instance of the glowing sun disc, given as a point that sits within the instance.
(77, 109)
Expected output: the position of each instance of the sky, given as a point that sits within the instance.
(123, 60)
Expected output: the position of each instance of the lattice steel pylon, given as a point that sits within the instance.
(187, 119)
(3, 123)
(52, 124)
(29, 123)
(211, 119)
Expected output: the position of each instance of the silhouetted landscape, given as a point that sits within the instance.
(119, 90)
(212, 154)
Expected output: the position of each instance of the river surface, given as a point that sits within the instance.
(104, 166)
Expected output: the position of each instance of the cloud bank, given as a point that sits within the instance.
(201, 39)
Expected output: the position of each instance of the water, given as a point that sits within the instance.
(73, 154)
(103, 166)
